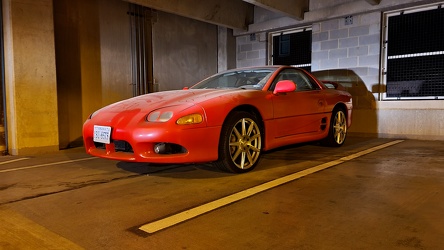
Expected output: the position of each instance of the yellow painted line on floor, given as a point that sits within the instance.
(205, 208)
(370, 150)
(19, 232)
(13, 160)
(46, 164)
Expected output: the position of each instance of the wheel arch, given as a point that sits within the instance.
(252, 110)
(341, 106)
(331, 139)
(243, 144)
(347, 112)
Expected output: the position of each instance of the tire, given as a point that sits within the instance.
(240, 143)
(338, 129)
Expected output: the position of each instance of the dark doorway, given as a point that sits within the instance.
(3, 140)
(141, 49)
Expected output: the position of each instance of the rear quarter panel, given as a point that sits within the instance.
(339, 97)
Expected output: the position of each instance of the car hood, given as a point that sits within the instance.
(180, 98)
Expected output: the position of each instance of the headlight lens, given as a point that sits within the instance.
(190, 119)
(93, 114)
(160, 116)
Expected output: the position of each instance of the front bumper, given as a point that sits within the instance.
(200, 144)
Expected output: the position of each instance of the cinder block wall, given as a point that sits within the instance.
(349, 51)
(251, 50)
(337, 45)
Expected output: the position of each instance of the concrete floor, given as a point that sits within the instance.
(388, 197)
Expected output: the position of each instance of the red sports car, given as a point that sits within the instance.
(228, 119)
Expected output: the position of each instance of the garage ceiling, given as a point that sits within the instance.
(235, 14)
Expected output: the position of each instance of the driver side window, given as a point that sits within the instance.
(297, 77)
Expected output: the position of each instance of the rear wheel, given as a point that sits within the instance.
(240, 143)
(338, 129)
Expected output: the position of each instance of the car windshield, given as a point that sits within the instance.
(247, 79)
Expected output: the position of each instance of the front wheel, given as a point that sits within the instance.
(240, 143)
(338, 129)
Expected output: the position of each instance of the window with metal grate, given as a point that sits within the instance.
(414, 46)
(292, 48)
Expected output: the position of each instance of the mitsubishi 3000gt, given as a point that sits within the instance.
(228, 119)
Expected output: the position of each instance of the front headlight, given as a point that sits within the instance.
(93, 114)
(190, 119)
(158, 116)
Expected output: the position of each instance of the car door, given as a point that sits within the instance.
(301, 111)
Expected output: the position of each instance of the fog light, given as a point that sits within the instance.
(159, 148)
(168, 148)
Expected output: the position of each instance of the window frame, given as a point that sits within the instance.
(301, 73)
(271, 45)
(384, 50)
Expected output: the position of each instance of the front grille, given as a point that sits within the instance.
(99, 145)
(119, 146)
(122, 146)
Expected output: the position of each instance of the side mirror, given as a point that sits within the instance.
(284, 86)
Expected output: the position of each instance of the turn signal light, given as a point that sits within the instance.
(190, 119)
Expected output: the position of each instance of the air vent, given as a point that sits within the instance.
(323, 123)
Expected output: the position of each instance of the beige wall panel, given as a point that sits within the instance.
(423, 120)
(93, 61)
(411, 119)
(30, 76)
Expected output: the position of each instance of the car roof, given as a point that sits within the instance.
(273, 67)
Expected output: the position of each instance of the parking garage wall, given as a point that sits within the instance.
(30, 77)
(348, 50)
(343, 50)
(251, 50)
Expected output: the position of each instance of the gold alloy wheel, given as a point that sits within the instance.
(340, 127)
(245, 143)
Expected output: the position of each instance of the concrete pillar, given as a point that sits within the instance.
(221, 49)
(226, 49)
(30, 76)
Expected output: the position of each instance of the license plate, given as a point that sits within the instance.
(102, 134)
